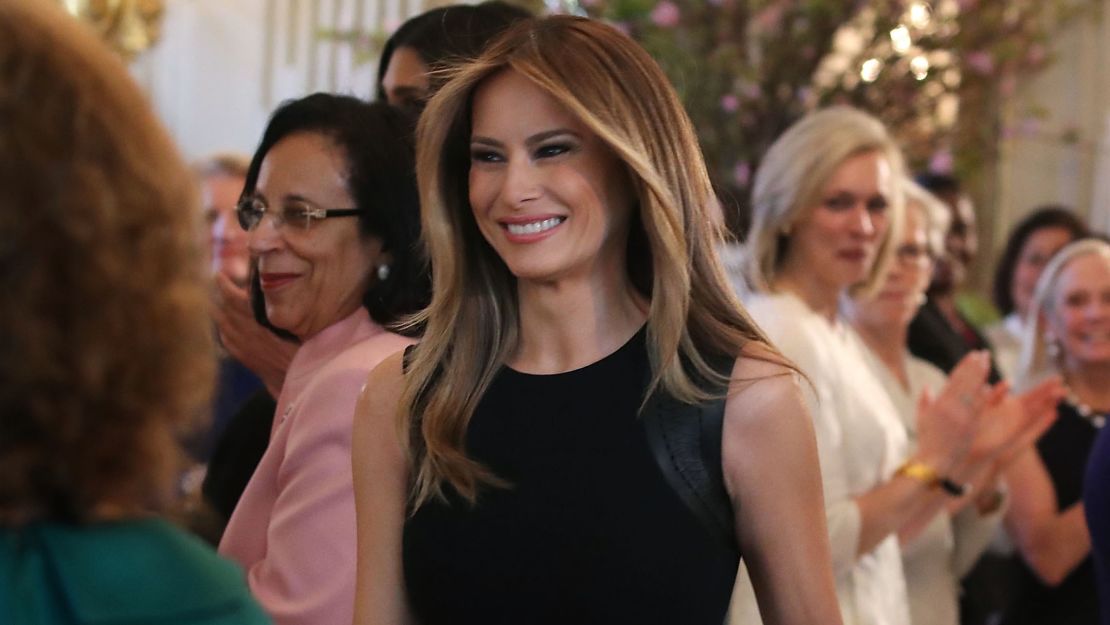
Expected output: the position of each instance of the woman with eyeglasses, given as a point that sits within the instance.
(950, 542)
(331, 208)
(827, 212)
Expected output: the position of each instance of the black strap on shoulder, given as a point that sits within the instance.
(406, 358)
(686, 442)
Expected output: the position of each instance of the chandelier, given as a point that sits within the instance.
(129, 26)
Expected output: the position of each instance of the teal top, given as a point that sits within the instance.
(115, 573)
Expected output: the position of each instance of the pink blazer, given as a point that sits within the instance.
(293, 530)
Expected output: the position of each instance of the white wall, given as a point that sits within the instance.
(223, 65)
(1037, 165)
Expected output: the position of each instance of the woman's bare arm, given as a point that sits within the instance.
(380, 484)
(1052, 541)
(769, 456)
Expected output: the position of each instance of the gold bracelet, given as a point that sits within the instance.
(928, 476)
(917, 470)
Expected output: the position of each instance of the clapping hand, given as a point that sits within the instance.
(1011, 423)
(946, 425)
(256, 347)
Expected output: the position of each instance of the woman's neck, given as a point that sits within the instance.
(820, 297)
(569, 324)
(888, 343)
(1088, 383)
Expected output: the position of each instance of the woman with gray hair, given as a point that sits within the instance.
(951, 541)
(828, 208)
(1067, 334)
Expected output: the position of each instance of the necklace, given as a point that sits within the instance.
(1096, 419)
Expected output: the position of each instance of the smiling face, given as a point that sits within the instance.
(310, 278)
(546, 193)
(836, 242)
(226, 239)
(1038, 249)
(903, 289)
(1078, 314)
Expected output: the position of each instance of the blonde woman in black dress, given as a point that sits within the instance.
(510, 471)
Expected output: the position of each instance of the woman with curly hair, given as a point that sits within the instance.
(107, 356)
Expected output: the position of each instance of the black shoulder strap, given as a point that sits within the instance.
(406, 358)
(686, 442)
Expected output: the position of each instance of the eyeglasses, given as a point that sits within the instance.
(297, 214)
(912, 254)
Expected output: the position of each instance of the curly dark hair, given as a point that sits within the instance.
(378, 144)
(107, 354)
(1050, 216)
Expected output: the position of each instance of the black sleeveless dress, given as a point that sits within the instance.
(589, 532)
(1064, 449)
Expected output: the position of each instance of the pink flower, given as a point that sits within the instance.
(730, 103)
(1036, 54)
(981, 62)
(941, 162)
(742, 173)
(967, 5)
(666, 14)
(623, 27)
(1029, 127)
(750, 91)
(1007, 85)
(770, 17)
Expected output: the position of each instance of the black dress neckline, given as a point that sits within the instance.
(634, 342)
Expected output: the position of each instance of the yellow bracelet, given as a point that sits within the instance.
(915, 469)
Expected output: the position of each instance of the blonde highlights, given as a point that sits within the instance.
(792, 175)
(617, 91)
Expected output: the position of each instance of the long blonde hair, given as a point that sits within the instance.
(619, 93)
(791, 177)
(1035, 364)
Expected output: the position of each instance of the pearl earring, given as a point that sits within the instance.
(1051, 346)
(383, 272)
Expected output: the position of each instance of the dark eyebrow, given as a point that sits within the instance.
(539, 137)
(493, 143)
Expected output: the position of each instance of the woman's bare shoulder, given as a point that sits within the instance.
(383, 388)
(763, 384)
